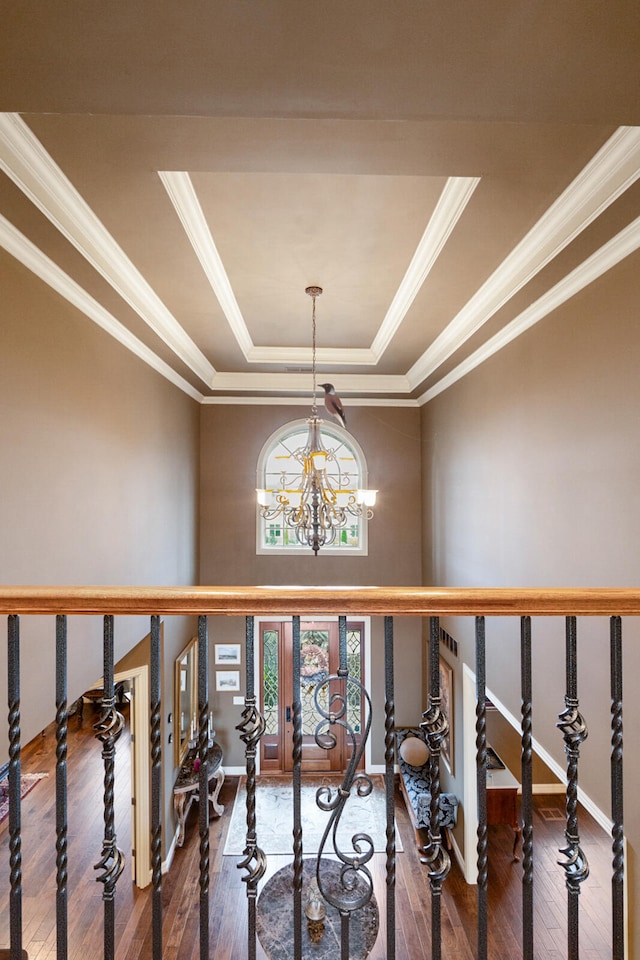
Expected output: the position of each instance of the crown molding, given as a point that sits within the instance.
(186, 204)
(452, 201)
(613, 169)
(604, 259)
(38, 263)
(300, 383)
(304, 401)
(302, 356)
(24, 159)
(454, 197)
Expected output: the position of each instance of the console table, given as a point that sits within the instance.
(502, 802)
(187, 786)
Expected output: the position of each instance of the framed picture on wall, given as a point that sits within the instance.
(227, 680)
(446, 698)
(227, 653)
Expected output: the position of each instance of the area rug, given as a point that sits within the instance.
(27, 783)
(274, 817)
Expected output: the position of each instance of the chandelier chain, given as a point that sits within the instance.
(314, 408)
(313, 292)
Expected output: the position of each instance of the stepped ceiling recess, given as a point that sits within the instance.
(449, 173)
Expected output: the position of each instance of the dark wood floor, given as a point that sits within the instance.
(228, 897)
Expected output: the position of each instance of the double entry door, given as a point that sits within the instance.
(319, 658)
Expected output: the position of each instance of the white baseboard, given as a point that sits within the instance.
(458, 853)
(598, 815)
(166, 864)
(234, 771)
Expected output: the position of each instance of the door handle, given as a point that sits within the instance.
(288, 714)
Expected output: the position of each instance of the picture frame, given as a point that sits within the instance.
(227, 653)
(227, 680)
(446, 705)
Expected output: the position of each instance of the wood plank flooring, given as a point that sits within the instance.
(228, 923)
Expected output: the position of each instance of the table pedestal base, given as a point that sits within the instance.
(274, 921)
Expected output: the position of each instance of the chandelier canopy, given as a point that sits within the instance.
(310, 502)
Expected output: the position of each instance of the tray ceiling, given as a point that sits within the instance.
(189, 228)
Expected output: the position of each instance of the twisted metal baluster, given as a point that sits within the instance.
(574, 732)
(617, 832)
(156, 791)
(389, 778)
(436, 726)
(61, 787)
(527, 789)
(251, 729)
(481, 781)
(15, 840)
(354, 873)
(108, 729)
(297, 810)
(203, 785)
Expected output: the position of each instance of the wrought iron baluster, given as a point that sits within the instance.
(355, 882)
(251, 729)
(343, 672)
(297, 812)
(203, 786)
(574, 732)
(156, 792)
(527, 789)
(389, 780)
(15, 837)
(436, 726)
(62, 717)
(481, 781)
(108, 730)
(617, 832)
(343, 668)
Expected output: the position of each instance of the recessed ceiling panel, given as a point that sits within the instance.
(352, 235)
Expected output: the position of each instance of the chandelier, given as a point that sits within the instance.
(311, 502)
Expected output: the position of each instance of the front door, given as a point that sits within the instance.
(319, 656)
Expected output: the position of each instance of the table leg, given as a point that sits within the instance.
(213, 795)
(516, 841)
(179, 803)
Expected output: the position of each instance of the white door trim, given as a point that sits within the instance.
(140, 795)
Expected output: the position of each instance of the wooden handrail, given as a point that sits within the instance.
(284, 600)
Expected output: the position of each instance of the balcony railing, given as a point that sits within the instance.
(354, 890)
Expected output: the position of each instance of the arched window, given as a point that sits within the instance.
(279, 469)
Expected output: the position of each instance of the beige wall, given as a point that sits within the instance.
(231, 440)
(99, 467)
(531, 471)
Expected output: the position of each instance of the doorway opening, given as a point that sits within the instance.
(319, 655)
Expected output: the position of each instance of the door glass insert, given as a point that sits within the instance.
(354, 666)
(314, 667)
(270, 680)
